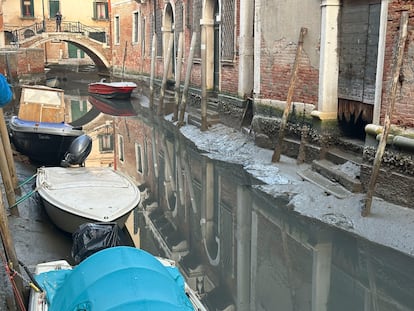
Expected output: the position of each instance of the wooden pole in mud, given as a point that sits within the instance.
(153, 55)
(123, 61)
(167, 63)
(184, 96)
(204, 124)
(178, 75)
(279, 144)
(7, 149)
(7, 181)
(9, 246)
(366, 209)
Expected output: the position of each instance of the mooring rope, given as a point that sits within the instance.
(23, 198)
(27, 180)
(12, 273)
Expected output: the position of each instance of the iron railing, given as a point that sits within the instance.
(15, 36)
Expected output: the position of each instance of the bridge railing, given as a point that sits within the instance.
(20, 34)
(24, 33)
(95, 33)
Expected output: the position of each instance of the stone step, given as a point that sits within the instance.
(347, 174)
(338, 156)
(194, 117)
(327, 185)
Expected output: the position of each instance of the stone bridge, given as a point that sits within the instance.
(98, 51)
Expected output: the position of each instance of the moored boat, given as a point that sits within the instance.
(43, 142)
(40, 131)
(76, 195)
(116, 278)
(117, 90)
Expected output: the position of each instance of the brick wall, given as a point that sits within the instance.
(276, 70)
(22, 62)
(404, 105)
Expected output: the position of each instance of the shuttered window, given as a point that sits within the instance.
(27, 8)
(100, 9)
(54, 7)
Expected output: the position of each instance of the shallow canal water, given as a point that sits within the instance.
(240, 248)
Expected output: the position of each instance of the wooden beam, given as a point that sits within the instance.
(178, 75)
(292, 84)
(184, 97)
(7, 149)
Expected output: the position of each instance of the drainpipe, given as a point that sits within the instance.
(110, 23)
(43, 12)
(380, 62)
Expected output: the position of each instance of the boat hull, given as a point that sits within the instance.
(43, 142)
(114, 90)
(70, 222)
(76, 195)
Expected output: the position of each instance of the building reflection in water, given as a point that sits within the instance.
(241, 248)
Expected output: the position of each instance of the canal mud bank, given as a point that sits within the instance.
(389, 225)
(34, 237)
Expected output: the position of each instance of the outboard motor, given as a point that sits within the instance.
(78, 151)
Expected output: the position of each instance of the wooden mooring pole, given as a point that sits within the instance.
(8, 149)
(6, 178)
(178, 76)
(9, 249)
(292, 84)
(167, 64)
(366, 209)
(184, 96)
(152, 75)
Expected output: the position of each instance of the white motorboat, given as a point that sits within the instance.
(76, 195)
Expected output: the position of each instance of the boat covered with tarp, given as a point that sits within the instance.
(116, 278)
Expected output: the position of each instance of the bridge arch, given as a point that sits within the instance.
(97, 51)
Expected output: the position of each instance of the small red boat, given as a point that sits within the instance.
(118, 90)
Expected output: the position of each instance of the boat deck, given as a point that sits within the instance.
(36, 239)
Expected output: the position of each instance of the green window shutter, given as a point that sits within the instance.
(54, 7)
(95, 11)
(106, 10)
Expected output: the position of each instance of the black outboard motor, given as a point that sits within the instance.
(78, 151)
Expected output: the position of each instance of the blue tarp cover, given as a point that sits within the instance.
(117, 278)
(5, 91)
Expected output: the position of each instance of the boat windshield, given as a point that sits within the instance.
(40, 96)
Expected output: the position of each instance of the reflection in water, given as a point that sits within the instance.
(114, 107)
(242, 249)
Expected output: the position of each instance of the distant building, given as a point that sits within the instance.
(24, 19)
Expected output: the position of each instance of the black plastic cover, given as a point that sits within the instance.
(90, 238)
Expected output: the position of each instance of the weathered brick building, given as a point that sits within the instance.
(246, 52)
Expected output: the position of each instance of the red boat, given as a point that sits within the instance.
(119, 90)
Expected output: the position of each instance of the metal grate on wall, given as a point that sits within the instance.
(197, 10)
(158, 27)
(227, 30)
(179, 22)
